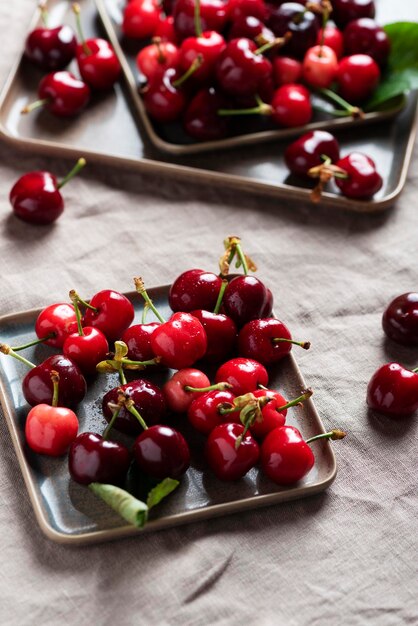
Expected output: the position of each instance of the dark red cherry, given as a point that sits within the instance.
(393, 391)
(292, 17)
(201, 120)
(246, 8)
(221, 333)
(362, 181)
(308, 150)
(229, 454)
(162, 452)
(250, 27)
(98, 64)
(365, 36)
(62, 94)
(86, 350)
(180, 342)
(357, 76)
(211, 409)
(51, 48)
(212, 16)
(94, 459)
(194, 289)
(148, 400)
(245, 299)
(240, 71)
(138, 340)
(400, 319)
(344, 11)
(113, 313)
(38, 388)
(57, 319)
(285, 456)
(163, 99)
(245, 375)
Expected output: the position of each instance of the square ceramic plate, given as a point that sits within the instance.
(69, 513)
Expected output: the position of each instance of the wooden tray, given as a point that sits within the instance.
(69, 513)
(110, 132)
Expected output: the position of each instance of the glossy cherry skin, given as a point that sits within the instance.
(333, 38)
(255, 341)
(285, 457)
(50, 430)
(140, 19)
(363, 180)
(221, 333)
(302, 24)
(156, 59)
(204, 412)
(194, 289)
(86, 350)
(65, 94)
(212, 16)
(241, 72)
(320, 66)
(114, 314)
(209, 46)
(393, 391)
(59, 319)
(201, 120)
(180, 342)
(165, 29)
(291, 106)
(93, 459)
(286, 71)
(272, 418)
(227, 461)
(249, 27)
(344, 11)
(35, 198)
(246, 8)
(51, 48)
(162, 452)
(148, 400)
(306, 152)
(357, 76)
(365, 36)
(400, 319)
(177, 398)
(38, 389)
(163, 101)
(243, 374)
(100, 67)
(245, 299)
(138, 340)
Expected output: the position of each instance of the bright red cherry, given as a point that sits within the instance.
(271, 416)
(212, 16)
(163, 97)
(286, 70)
(245, 299)
(365, 36)
(400, 319)
(180, 342)
(231, 455)
(62, 94)
(156, 58)
(98, 64)
(111, 312)
(162, 452)
(87, 349)
(36, 196)
(201, 120)
(285, 456)
(208, 45)
(194, 289)
(307, 151)
(138, 340)
(176, 393)
(320, 65)
(266, 341)
(221, 333)
(357, 76)
(243, 374)
(141, 19)
(51, 48)
(332, 37)
(291, 106)
(362, 181)
(94, 459)
(165, 29)
(38, 388)
(393, 391)
(240, 71)
(211, 409)
(58, 320)
(148, 400)
(246, 8)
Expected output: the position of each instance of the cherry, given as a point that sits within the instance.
(36, 196)
(393, 391)
(245, 299)
(201, 120)
(245, 375)
(229, 452)
(194, 289)
(332, 37)
(274, 413)
(94, 459)
(400, 319)
(210, 409)
(365, 36)
(320, 66)
(156, 58)
(212, 16)
(180, 342)
(291, 106)
(177, 391)
(51, 429)
(51, 48)
(307, 151)
(208, 45)
(221, 333)
(57, 321)
(266, 341)
(250, 27)
(62, 94)
(138, 340)
(344, 11)
(285, 456)
(165, 29)
(362, 180)
(109, 311)
(162, 452)
(292, 17)
(246, 8)
(141, 18)
(163, 97)
(286, 70)
(241, 71)
(357, 76)
(147, 398)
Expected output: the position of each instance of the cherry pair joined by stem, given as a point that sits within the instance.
(307, 151)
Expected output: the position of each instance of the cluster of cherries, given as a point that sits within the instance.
(317, 155)
(52, 49)
(393, 389)
(218, 320)
(213, 59)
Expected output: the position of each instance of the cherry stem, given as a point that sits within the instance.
(77, 11)
(415, 370)
(140, 288)
(279, 41)
(34, 105)
(86, 304)
(352, 110)
(161, 56)
(44, 13)
(226, 408)
(75, 300)
(261, 109)
(129, 405)
(113, 419)
(192, 69)
(220, 297)
(216, 387)
(5, 349)
(197, 19)
(35, 342)
(334, 112)
(154, 361)
(122, 376)
(332, 434)
(305, 395)
(77, 167)
(144, 313)
(303, 344)
(55, 378)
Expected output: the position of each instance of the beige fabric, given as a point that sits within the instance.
(348, 556)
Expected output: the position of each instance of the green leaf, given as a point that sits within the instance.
(160, 491)
(132, 510)
(395, 85)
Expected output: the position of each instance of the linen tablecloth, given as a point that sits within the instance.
(347, 556)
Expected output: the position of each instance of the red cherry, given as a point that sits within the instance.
(266, 341)
(362, 181)
(285, 456)
(365, 36)
(86, 350)
(98, 64)
(227, 459)
(212, 16)
(400, 319)
(156, 58)
(176, 395)
(244, 375)
(250, 27)
(393, 391)
(246, 8)
(51, 48)
(62, 94)
(357, 76)
(208, 45)
(140, 19)
(291, 106)
(50, 429)
(240, 71)
(320, 65)
(332, 37)
(163, 98)
(138, 340)
(302, 24)
(94, 459)
(286, 71)
(245, 299)
(113, 313)
(57, 319)
(307, 151)
(194, 289)
(165, 29)
(344, 11)
(211, 409)
(201, 120)
(38, 389)
(221, 333)
(271, 417)
(180, 342)
(162, 452)
(148, 401)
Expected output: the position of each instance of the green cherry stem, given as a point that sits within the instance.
(55, 378)
(144, 313)
(130, 406)
(113, 419)
(354, 111)
(192, 69)
(332, 434)
(226, 408)
(73, 172)
(75, 300)
(216, 387)
(261, 109)
(197, 19)
(305, 395)
(5, 349)
(140, 288)
(28, 108)
(415, 370)
(35, 342)
(77, 11)
(220, 296)
(279, 42)
(43, 13)
(303, 344)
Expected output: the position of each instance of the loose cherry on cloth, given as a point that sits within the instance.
(229, 452)
(393, 391)
(245, 375)
(36, 196)
(62, 94)
(267, 341)
(50, 429)
(400, 319)
(50, 48)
